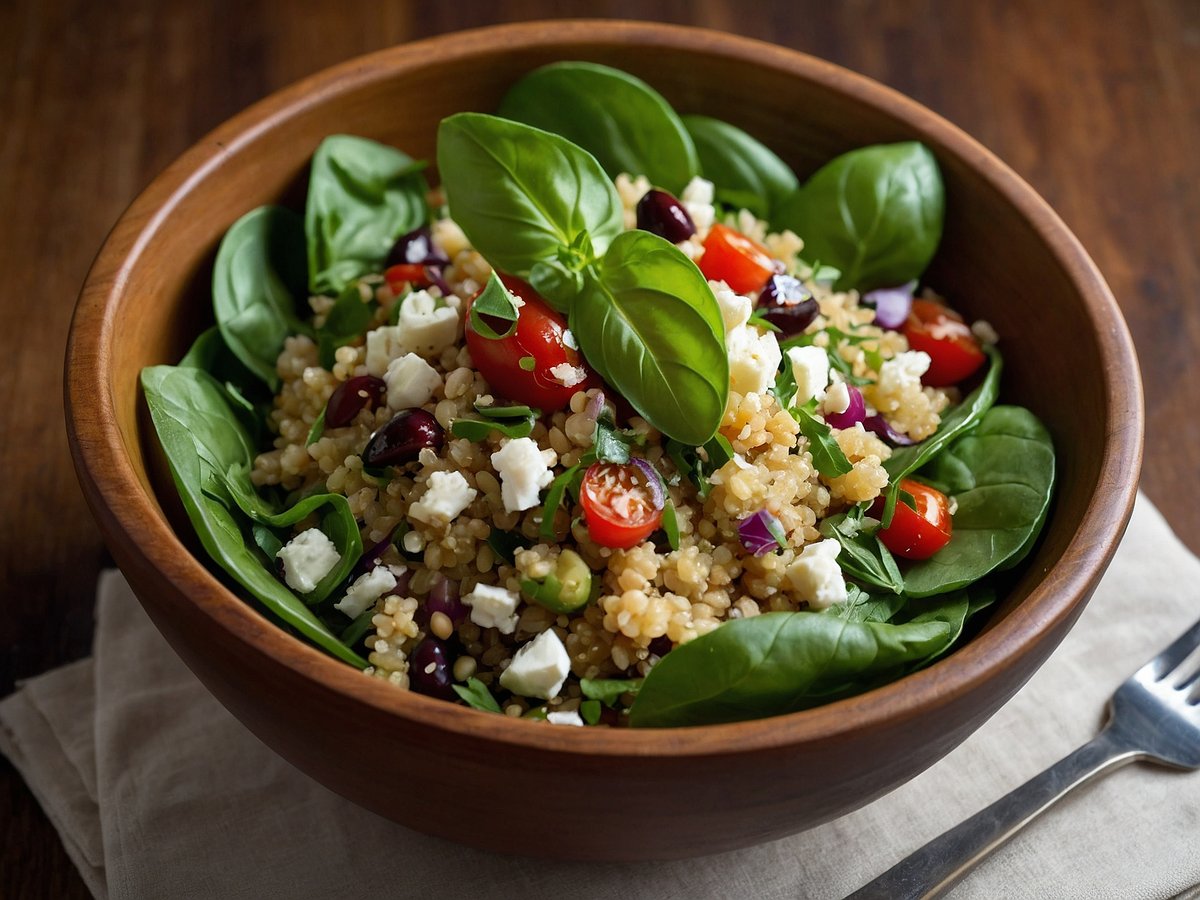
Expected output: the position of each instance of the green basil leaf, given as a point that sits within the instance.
(649, 324)
(258, 273)
(826, 452)
(476, 694)
(874, 213)
(744, 172)
(201, 440)
(589, 711)
(480, 429)
(777, 663)
(521, 194)
(670, 523)
(506, 411)
(495, 302)
(362, 196)
(618, 118)
(609, 690)
(609, 443)
(558, 283)
(554, 499)
(1001, 476)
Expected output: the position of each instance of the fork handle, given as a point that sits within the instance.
(939, 865)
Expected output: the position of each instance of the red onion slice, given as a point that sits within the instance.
(853, 414)
(892, 305)
(761, 533)
(653, 481)
(879, 425)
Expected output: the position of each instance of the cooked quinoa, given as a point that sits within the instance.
(651, 597)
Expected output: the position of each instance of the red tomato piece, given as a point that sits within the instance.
(919, 533)
(620, 507)
(954, 352)
(406, 274)
(538, 341)
(731, 257)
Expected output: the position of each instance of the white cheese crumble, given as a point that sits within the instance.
(493, 607)
(447, 496)
(903, 370)
(539, 668)
(365, 590)
(810, 368)
(567, 375)
(307, 558)
(410, 382)
(571, 717)
(816, 576)
(837, 398)
(735, 309)
(426, 326)
(753, 359)
(697, 199)
(524, 470)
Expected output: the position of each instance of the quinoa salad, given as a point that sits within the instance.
(635, 430)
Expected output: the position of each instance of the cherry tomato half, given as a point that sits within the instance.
(620, 507)
(731, 257)
(413, 274)
(919, 533)
(538, 337)
(953, 350)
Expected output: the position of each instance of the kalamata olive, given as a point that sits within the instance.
(403, 438)
(417, 247)
(787, 304)
(444, 598)
(660, 213)
(660, 646)
(352, 396)
(429, 670)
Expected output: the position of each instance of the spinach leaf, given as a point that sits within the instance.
(258, 272)
(778, 663)
(616, 117)
(346, 320)
(874, 213)
(362, 196)
(505, 544)
(744, 172)
(247, 395)
(524, 196)
(609, 690)
(648, 323)
(476, 694)
(861, 606)
(1001, 476)
(201, 438)
(906, 460)
(670, 523)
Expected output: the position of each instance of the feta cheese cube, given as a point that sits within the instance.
(753, 360)
(564, 718)
(697, 199)
(426, 327)
(810, 368)
(493, 607)
(448, 494)
(566, 374)
(307, 558)
(837, 398)
(410, 382)
(539, 668)
(735, 309)
(366, 589)
(383, 345)
(524, 470)
(816, 576)
(903, 370)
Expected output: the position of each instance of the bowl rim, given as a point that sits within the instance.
(118, 498)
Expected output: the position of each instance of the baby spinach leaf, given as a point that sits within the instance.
(863, 556)
(1001, 476)
(495, 302)
(346, 320)
(777, 663)
(957, 422)
(362, 196)
(826, 452)
(609, 690)
(861, 606)
(476, 694)
(258, 272)
(480, 429)
(618, 118)
(649, 324)
(875, 213)
(744, 172)
(522, 195)
(247, 395)
(201, 438)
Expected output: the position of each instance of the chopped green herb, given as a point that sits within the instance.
(528, 363)
(476, 694)
(495, 302)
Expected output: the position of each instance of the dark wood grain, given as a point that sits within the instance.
(1099, 110)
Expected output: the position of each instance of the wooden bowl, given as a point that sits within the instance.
(600, 793)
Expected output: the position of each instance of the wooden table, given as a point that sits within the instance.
(1098, 106)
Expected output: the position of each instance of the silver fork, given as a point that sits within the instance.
(1154, 715)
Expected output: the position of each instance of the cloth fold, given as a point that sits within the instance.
(157, 791)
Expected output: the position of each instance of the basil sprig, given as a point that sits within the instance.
(644, 316)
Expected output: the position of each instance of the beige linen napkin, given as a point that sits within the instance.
(158, 792)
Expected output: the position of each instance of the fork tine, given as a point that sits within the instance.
(1168, 661)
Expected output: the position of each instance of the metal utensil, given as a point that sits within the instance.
(1154, 715)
